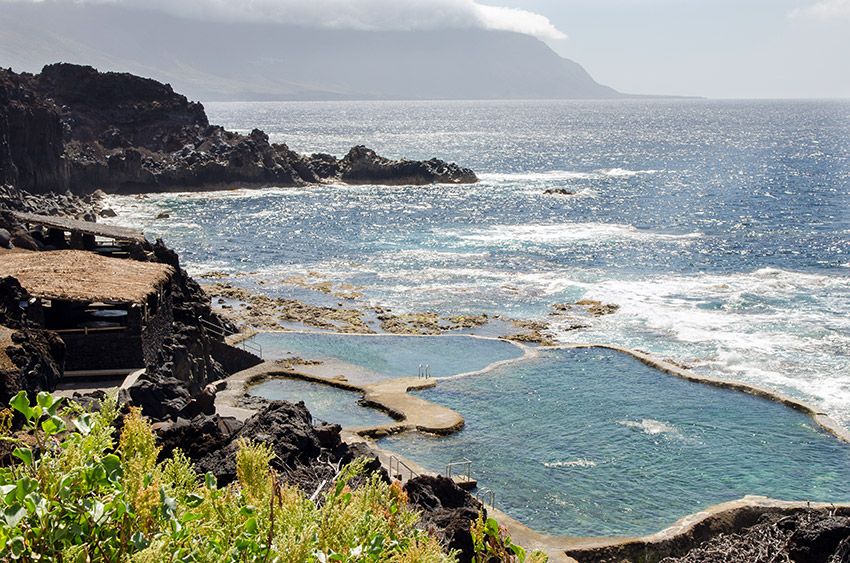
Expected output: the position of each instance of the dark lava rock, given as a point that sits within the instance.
(160, 398)
(72, 127)
(818, 541)
(363, 166)
(558, 191)
(795, 535)
(90, 401)
(31, 359)
(305, 455)
(448, 509)
(197, 437)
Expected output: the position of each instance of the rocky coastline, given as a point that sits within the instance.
(72, 128)
(177, 390)
(70, 131)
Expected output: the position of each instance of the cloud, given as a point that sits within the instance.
(401, 15)
(824, 10)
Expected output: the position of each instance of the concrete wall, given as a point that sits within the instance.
(157, 329)
(233, 359)
(133, 348)
(102, 350)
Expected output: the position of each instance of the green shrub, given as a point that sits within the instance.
(75, 496)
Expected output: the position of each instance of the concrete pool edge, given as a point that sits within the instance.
(692, 530)
(822, 419)
(391, 396)
(526, 351)
(415, 414)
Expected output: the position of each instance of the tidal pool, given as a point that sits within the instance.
(371, 358)
(327, 403)
(593, 442)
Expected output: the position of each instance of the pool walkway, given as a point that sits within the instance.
(391, 396)
(413, 413)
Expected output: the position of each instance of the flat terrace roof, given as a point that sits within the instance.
(85, 227)
(77, 275)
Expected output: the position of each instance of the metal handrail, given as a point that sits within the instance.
(221, 332)
(465, 463)
(214, 328)
(252, 347)
(489, 495)
(398, 465)
(86, 330)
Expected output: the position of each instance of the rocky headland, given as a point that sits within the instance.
(177, 390)
(70, 131)
(73, 128)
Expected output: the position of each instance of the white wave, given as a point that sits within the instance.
(570, 463)
(623, 173)
(560, 234)
(551, 175)
(650, 426)
(436, 255)
(786, 330)
(555, 175)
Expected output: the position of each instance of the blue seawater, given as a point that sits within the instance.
(721, 228)
(384, 357)
(326, 403)
(592, 442)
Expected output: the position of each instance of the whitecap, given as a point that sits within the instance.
(782, 329)
(560, 234)
(650, 426)
(570, 463)
(624, 173)
(556, 175)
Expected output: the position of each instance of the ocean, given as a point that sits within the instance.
(720, 228)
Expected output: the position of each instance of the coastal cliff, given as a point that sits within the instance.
(74, 128)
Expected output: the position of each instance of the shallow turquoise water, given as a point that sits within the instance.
(592, 442)
(391, 356)
(326, 403)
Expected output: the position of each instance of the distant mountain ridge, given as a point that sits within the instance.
(247, 61)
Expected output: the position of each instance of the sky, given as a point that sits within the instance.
(711, 48)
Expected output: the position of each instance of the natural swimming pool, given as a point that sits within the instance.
(325, 402)
(593, 442)
(370, 358)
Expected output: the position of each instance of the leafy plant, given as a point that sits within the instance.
(492, 543)
(75, 496)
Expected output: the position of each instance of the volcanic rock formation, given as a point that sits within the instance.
(74, 128)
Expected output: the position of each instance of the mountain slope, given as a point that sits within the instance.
(243, 61)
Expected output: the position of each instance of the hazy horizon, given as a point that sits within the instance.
(751, 49)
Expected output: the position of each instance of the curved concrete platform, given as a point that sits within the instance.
(821, 418)
(416, 414)
(391, 396)
(690, 531)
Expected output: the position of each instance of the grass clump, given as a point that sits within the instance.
(74, 496)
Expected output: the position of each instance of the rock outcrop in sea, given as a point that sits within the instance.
(74, 128)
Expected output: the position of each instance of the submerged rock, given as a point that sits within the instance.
(558, 191)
